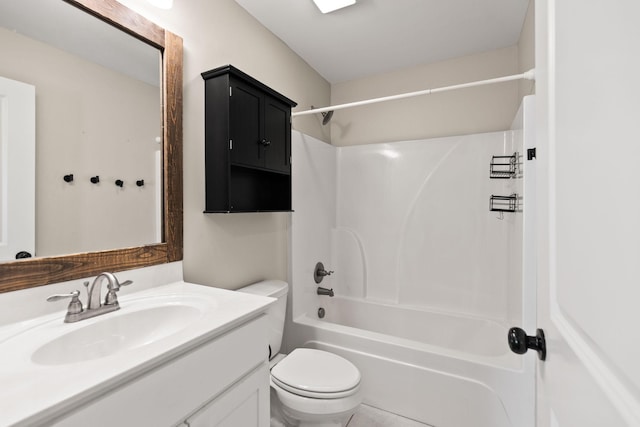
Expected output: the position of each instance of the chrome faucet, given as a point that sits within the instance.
(75, 312)
(325, 291)
(94, 291)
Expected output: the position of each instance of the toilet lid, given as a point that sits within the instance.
(307, 370)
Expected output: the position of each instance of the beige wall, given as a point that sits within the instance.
(77, 104)
(231, 250)
(474, 110)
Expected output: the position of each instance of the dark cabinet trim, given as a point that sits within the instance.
(230, 70)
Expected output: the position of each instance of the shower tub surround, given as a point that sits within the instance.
(427, 280)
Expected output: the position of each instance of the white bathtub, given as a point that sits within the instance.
(465, 335)
(441, 369)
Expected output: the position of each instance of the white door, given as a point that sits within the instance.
(17, 168)
(588, 93)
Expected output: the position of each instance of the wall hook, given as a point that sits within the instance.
(140, 182)
(95, 179)
(68, 178)
(120, 183)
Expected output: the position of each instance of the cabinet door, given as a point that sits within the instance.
(245, 124)
(246, 404)
(277, 130)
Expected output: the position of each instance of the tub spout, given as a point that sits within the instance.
(325, 291)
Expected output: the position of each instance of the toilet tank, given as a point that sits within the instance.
(276, 312)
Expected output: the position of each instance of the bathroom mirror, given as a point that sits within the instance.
(83, 86)
(40, 271)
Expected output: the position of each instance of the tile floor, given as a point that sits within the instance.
(368, 416)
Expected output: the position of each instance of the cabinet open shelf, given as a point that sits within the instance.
(253, 190)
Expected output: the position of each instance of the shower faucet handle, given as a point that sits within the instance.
(319, 272)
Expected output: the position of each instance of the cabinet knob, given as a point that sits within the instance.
(265, 142)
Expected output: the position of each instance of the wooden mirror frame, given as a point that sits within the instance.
(28, 273)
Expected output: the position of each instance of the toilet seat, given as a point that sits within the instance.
(315, 373)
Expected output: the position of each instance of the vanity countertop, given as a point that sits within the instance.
(38, 383)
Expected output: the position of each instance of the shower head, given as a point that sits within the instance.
(326, 116)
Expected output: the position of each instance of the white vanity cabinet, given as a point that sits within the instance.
(221, 382)
(241, 405)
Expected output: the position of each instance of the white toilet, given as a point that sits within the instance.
(308, 387)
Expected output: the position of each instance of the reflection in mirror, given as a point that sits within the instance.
(28, 273)
(98, 113)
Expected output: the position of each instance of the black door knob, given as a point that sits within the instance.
(520, 342)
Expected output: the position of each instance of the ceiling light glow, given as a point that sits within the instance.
(162, 4)
(327, 6)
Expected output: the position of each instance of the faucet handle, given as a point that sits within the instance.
(112, 297)
(319, 272)
(118, 284)
(56, 297)
(75, 306)
(115, 286)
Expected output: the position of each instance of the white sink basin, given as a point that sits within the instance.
(119, 332)
(48, 366)
(141, 322)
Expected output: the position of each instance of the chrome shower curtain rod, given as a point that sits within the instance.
(528, 75)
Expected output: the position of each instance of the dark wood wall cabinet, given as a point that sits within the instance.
(247, 144)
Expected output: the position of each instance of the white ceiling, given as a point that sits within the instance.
(68, 28)
(377, 36)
